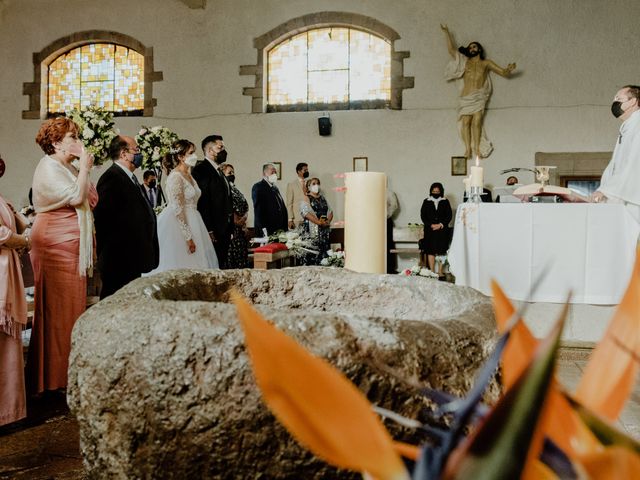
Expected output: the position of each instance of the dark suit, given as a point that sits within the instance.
(126, 234)
(158, 197)
(215, 206)
(269, 210)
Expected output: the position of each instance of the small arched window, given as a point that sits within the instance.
(329, 68)
(104, 68)
(107, 75)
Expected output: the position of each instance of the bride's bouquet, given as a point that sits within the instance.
(154, 143)
(97, 129)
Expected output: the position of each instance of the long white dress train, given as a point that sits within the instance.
(179, 222)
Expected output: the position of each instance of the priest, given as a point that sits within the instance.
(619, 183)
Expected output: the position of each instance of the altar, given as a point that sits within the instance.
(588, 249)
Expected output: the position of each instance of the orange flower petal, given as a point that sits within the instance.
(613, 367)
(559, 422)
(612, 463)
(319, 406)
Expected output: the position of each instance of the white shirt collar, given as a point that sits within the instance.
(215, 165)
(126, 170)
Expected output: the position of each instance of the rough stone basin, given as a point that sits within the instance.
(161, 385)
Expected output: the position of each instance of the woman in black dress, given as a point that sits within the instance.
(436, 215)
(238, 256)
(317, 220)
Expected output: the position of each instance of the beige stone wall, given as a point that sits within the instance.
(571, 55)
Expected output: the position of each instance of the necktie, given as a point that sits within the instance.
(152, 196)
(137, 184)
(224, 179)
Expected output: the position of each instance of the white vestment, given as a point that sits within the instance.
(621, 179)
(472, 103)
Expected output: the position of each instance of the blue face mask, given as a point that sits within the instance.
(137, 160)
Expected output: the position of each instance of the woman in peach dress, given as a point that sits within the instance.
(13, 315)
(62, 241)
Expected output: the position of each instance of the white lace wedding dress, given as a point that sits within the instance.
(179, 222)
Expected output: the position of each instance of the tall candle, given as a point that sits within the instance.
(476, 176)
(365, 218)
(467, 184)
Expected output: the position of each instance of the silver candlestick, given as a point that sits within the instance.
(475, 196)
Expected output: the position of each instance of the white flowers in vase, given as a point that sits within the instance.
(154, 143)
(97, 130)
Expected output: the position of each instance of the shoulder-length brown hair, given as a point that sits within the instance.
(53, 131)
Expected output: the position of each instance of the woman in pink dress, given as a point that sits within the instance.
(61, 250)
(13, 315)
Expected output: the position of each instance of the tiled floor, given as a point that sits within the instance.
(571, 367)
(47, 446)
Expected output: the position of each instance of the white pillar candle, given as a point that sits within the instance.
(365, 218)
(467, 184)
(476, 176)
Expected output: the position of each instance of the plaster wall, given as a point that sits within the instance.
(572, 56)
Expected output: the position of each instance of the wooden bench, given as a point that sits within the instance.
(405, 240)
(268, 261)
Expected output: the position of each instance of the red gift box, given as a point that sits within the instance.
(271, 248)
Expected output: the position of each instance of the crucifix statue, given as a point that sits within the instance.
(470, 65)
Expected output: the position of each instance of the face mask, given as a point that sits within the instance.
(222, 157)
(75, 149)
(616, 109)
(137, 160)
(152, 184)
(191, 160)
(272, 178)
(436, 195)
(305, 175)
(231, 178)
(314, 188)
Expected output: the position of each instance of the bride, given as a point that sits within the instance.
(183, 237)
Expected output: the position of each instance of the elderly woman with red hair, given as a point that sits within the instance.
(61, 250)
(13, 314)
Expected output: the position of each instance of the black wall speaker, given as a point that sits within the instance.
(324, 126)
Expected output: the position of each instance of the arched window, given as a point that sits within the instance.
(103, 74)
(103, 68)
(334, 67)
(327, 61)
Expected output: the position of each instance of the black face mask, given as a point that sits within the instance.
(305, 175)
(152, 184)
(231, 178)
(436, 195)
(616, 109)
(137, 160)
(221, 157)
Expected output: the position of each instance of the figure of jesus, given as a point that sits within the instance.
(469, 64)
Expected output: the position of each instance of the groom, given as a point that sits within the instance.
(215, 204)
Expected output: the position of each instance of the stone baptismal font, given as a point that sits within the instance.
(162, 386)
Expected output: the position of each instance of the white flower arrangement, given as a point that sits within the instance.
(299, 243)
(418, 271)
(334, 259)
(97, 130)
(154, 143)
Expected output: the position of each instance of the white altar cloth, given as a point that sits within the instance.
(588, 249)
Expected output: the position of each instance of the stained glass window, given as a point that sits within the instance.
(102, 74)
(329, 68)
